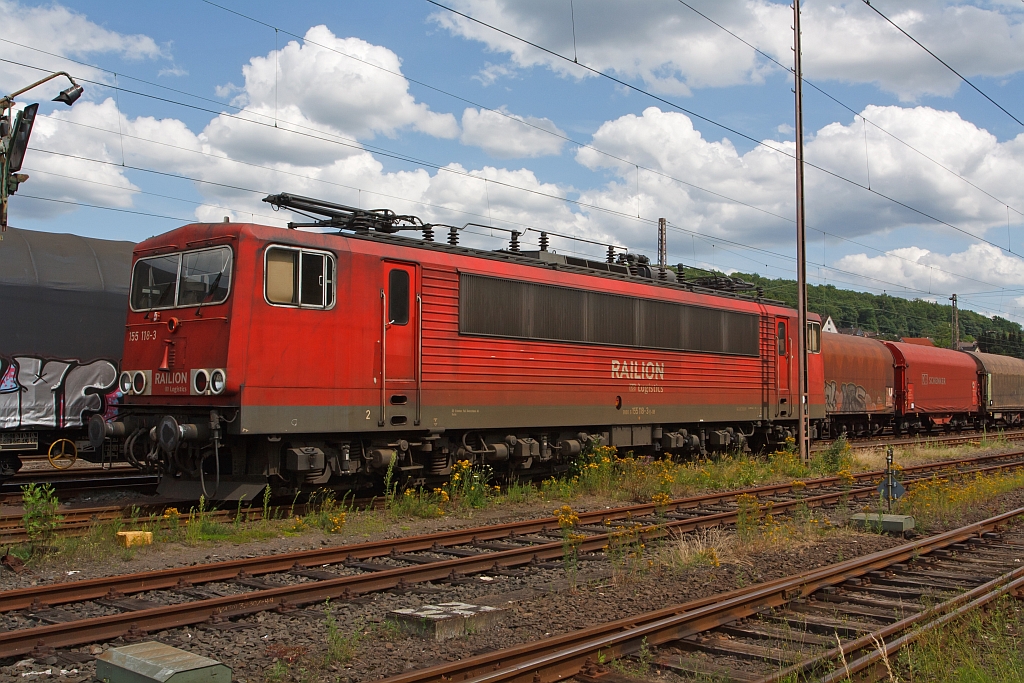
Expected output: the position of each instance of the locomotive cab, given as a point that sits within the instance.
(175, 375)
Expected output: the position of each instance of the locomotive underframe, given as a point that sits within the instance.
(197, 452)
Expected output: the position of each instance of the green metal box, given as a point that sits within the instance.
(158, 663)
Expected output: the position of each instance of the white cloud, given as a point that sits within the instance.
(346, 93)
(510, 136)
(849, 42)
(673, 50)
(660, 43)
(66, 33)
(491, 73)
(928, 271)
(107, 187)
(173, 71)
(667, 142)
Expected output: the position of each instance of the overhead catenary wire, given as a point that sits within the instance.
(356, 144)
(263, 192)
(384, 152)
(482, 234)
(303, 176)
(942, 62)
(412, 160)
(718, 124)
(850, 109)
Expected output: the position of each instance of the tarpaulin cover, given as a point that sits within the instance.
(63, 296)
(858, 374)
(937, 380)
(1006, 387)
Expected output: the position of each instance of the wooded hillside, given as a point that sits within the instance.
(892, 317)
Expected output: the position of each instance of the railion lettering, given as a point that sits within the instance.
(176, 377)
(637, 369)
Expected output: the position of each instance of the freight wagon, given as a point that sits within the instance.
(65, 300)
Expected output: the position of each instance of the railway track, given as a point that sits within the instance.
(79, 612)
(785, 628)
(77, 479)
(121, 476)
(80, 520)
(864, 443)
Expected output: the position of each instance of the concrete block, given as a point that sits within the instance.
(130, 538)
(447, 620)
(890, 523)
(158, 663)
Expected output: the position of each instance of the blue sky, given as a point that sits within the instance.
(501, 172)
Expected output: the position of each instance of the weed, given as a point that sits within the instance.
(985, 646)
(941, 501)
(644, 658)
(567, 521)
(40, 516)
(640, 667)
(519, 492)
(747, 515)
(277, 671)
(199, 527)
(324, 512)
(467, 487)
(420, 503)
(838, 456)
(390, 487)
(238, 514)
(625, 551)
(705, 547)
(341, 647)
(265, 518)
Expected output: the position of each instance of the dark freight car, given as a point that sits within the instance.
(65, 301)
(1002, 387)
(858, 383)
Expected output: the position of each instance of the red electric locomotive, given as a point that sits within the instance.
(255, 354)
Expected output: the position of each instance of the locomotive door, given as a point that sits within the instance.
(400, 360)
(784, 354)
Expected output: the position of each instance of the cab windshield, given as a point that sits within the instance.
(192, 278)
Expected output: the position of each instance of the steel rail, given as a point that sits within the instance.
(563, 656)
(112, 626)
(289, 597)
(76, 591)
(89, 589)
(932, 617)
(12, 530)
(891, 648)
(866, 442)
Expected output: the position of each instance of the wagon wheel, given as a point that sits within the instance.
(62, 454)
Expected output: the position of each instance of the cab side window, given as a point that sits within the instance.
(782, 339)
(813, 337)
(299, 277)
(398, 297)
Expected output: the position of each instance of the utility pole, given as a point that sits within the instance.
(954, 337)
(662, 248)
(803, 431)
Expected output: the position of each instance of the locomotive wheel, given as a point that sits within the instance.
(62, 454)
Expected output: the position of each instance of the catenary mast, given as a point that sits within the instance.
(803, 431)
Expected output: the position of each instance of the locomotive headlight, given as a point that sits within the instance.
(139, 382)
(200, 382)
(125, 383)
(218, 381)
